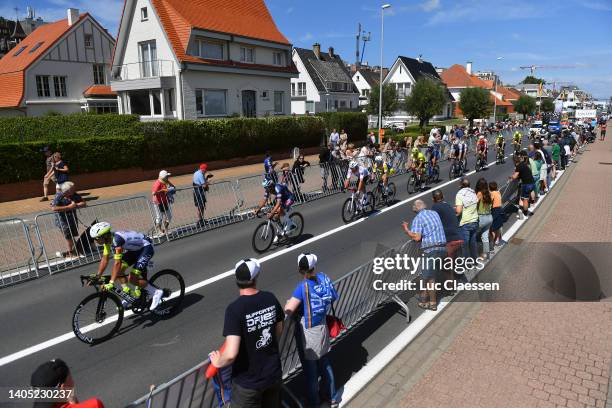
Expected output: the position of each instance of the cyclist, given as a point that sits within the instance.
(500, 145)
(363, 176)
(516, 141)
(462, 150)
(284, 198)
(418, 162)
(129, 249)
(434, 151)
(383, 170)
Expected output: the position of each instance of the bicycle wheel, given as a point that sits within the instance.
(263, 237)
(173, 285)
(391, 191)
(436, 173)
(97, 318)
(348, 210)
(298, 220)
(411, 186)
(451, 172)
(378, 193)
(371, 206)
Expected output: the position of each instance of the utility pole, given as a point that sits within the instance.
(380, 88)
(357, 45)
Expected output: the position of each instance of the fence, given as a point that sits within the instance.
(16, 252)
(357, 300)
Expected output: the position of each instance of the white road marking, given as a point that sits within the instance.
(70, 335)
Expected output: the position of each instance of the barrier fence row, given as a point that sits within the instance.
(56, 242)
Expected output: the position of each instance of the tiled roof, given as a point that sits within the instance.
(99, 90)
(457, 77)
(12, 68)
(499, 101)
(371, 77)
(326, 68)
(508, 94)
(244, 18)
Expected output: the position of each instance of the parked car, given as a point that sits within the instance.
(536, 126)
(554, 127)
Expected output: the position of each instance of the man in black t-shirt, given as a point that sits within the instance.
(252, 328)
(523, 173)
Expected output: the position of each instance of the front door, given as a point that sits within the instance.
(248, 104)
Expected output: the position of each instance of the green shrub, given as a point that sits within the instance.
(354, 123)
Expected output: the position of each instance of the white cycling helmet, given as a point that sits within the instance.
(99, 229)
(353, 165)
(481, 137)
(378, 159)
(267, 183)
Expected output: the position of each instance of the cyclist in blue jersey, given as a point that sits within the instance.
(129, 249)
(269, 166)
(283, 200)
(434, 152)
(363, 176)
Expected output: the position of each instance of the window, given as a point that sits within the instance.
(20, 50)
(278, 102)
(88, 40)
(208, 49)
(148, 58)
(357, 78)
(155, 96)
(98, 74)
(310, 106)
(293, 89)
(265, 95)
(302, 88)
(211, 102)
(144, 14)
(59, 86)
(247, 54)
(42, 86)
(277, 58)
(343, 104)
(140, 103)
(103, 107)
(37, 46)
(169, 101)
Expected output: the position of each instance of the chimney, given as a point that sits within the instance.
(316, 48)
(468, 67)
(330, 51)
(73, 16)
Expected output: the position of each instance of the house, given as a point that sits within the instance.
(54, 69)
(324, 83)
(405, 72)
(179, 59)
(31, 22)
(365, 79)
(11, 33)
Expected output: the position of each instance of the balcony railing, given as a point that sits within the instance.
(143, 69)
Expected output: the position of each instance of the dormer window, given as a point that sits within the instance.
(277, 58)
(247, 54)
(209, 49)
(144, 14)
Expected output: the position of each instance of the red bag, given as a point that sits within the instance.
(211, 370)
(334, 324)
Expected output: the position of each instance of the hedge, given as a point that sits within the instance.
(354, 123)
(73, 126)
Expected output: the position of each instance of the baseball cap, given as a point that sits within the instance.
(247, 269)
(163, 174)
(203, 166)
(307, 261)
(50, 374)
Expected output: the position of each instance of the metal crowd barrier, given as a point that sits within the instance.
(16, 252)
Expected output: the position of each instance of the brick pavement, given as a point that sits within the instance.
(518, 354)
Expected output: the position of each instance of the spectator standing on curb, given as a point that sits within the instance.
(310, 301)
(602, 131)
(466, 203)
(325, 160)
(55, 374)
(454, 238)
(49, 175)
(65, 204)
(269, 167)
(522, 172)
(162, 188)
(427, 228)
(499, 217)
(200, 187)
(298, 170)
(334, 138)
(485, 219)
(253, 325)
(60, 170)
(343, 138)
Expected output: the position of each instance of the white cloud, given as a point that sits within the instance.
(596, 5)
(472, 11)
(430, 5)
(306, 37)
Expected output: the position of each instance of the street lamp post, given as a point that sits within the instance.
(495, 96)
(380, 84)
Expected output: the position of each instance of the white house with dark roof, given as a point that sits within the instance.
(366, 79)
(178, 59)
(324, 83)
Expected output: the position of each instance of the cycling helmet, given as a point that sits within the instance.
(415, 151)
(353, 165)
(378, 159)
(481, 137)
(99, 229)
(267, 183)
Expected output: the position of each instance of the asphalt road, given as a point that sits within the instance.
(149, 350)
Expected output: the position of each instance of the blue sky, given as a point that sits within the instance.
(577, 33)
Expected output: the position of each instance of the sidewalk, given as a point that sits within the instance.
(34, 205)
(521, 354)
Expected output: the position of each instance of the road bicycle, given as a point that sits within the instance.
(266, 232)
(353, 207)
(456, 169)
(433, 173)
(517, 148)
(380, 195)
(416, 181)
(481, 162)
(500, 158)
(99, 315)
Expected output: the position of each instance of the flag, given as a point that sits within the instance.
(540, 90)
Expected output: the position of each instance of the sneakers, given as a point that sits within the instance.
(156, 299)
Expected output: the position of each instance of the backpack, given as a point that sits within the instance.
(547, 157)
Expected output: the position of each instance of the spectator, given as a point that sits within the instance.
(325, 160)
(253, 324)
(269, 166)
(427, 228)
(60, 170)
(602, 130)
(523, 173)
(162, 188)
(65, 204)
(454, 238)
(499, 217)
(350, 151)
(466, 203)
(298, 169)
(55, 374)
(49, 175)
(310, 300)
(200, 187)
(535, 163)
(372, 138)
(343, 137)
(485, 219)
(334, 138)
(550, 162)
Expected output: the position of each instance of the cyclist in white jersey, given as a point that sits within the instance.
(129, 249)
(362, 174)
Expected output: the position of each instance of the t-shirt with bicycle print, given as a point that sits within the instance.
(316, 298)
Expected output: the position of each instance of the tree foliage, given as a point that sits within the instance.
(525, 105)
(475, 103)
(547, 105)
(530, 79)
(426, 100)
(389, 100)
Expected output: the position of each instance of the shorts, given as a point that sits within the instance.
(526, 190)
(162, 211)
(139, 259)
(199, 197)
(432, 263)
(435, 154)
(286, 205)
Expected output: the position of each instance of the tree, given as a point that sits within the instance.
(475, 103)
(389, 100)
(426, 100)
(547, 105)
(530, 79)
(525, 105)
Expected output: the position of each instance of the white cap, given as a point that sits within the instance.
(163, 174)
(247, 269)
(307, 261)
